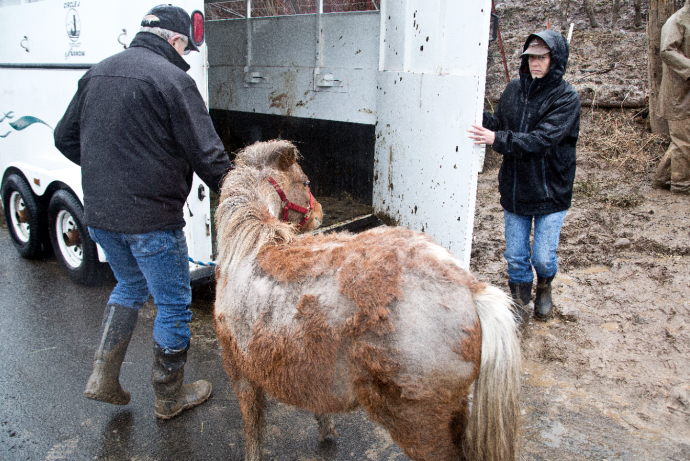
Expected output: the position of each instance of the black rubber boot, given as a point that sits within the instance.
(173, 397)
(116, 331)
(521, 294)
(543, 307)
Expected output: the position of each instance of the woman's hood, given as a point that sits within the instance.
(560, 51)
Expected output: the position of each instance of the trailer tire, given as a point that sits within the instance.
(71, 241)
(23, 217)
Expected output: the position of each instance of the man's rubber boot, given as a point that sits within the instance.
(116, 331)
(521, 294)
(543, 307)
(173, 397)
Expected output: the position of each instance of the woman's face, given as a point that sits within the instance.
(539, 64)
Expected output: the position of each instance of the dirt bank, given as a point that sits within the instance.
(608, 68)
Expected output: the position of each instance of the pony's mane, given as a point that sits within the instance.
(243, 218)
(262, 155)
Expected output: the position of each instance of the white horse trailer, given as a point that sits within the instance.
(48, 46)
(378, 101)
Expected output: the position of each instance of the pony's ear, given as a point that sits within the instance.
(287, 156)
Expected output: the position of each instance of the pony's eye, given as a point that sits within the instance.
(306, 183)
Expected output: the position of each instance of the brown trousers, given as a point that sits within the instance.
(674, 168)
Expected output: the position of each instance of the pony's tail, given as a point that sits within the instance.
(493, 431)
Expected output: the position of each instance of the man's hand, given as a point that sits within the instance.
(481, 135)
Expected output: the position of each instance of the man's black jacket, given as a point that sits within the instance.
(139, 129)
(537, 123)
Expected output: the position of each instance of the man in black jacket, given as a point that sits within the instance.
(535, 127)
(139, 128)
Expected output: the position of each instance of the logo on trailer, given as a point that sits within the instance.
(73, 24)
(20, 123)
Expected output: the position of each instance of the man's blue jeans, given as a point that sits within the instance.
(157, 263)
(542, 253)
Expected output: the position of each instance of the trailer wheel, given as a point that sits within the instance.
(23, 216)
(71, 241)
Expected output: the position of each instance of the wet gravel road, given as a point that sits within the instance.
(48, 330)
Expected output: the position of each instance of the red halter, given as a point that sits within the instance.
(288, 205)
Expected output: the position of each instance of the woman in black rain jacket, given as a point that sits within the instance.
(535, 126)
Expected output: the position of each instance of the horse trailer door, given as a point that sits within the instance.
(429, 89)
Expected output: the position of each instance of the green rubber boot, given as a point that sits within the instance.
(173, 397)
(116, 331)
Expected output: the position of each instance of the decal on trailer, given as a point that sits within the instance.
(73, 27)
(21, 122)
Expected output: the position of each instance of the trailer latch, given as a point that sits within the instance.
(327, 80)
(494, 27)
(254, 77)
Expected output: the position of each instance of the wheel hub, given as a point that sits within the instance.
(20, 217)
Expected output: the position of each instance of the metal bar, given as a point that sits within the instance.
(500, 43)
(225, 8)
(382, 36)
(45, 66)
(295, 9)
(319, 34)
(249, 34)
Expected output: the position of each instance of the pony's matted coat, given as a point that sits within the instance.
(386, 319)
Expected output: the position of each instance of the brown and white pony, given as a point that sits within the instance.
(387, 320)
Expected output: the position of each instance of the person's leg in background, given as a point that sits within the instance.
(680, 156)
(673, 171)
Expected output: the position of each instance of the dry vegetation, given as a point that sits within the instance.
(621, 139)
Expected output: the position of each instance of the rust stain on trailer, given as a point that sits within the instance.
(279, 101)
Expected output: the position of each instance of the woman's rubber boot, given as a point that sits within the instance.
(173, 397)
(543, 307)
(521, 294)
(116, 331)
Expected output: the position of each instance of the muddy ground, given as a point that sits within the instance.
(609, 377)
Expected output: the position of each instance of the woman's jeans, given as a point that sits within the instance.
(542, 254)
(157, 263)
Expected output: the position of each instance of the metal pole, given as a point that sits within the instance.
(500, 43)
(319, 33)
(382, 36)
(248, 16)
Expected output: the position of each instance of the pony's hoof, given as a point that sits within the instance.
(326, 427)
